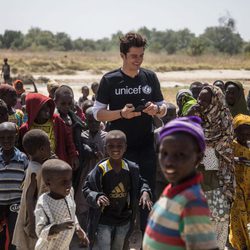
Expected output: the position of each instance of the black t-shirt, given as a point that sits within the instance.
(6, 69)
(116, 187)
(118, 89)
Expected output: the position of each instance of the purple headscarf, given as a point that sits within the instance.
(190, 125)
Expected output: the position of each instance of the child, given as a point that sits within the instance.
(19, 88)
(87, 104)
(240, 210)
(218, 164)
(37, 146)
(13, 164)
(185, 101)
(40, 110)
(93, 152)
(196, 88)
(94, 88)
(9, 96)
(180, 218)
(235, 98)
(52, 86)
(85, 94)
(6, 71)
(55, 216)
(4, 115)
(112, 190)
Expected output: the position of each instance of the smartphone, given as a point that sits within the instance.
(141, 106)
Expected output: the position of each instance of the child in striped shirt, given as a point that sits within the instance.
(13, 164)
(180, 218)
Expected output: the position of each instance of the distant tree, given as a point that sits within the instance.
(184, 38)
(223, 39)
(247, 48)
(78, 44)
(63, 41)
(12, 39)
(197, 46)
(103, 44)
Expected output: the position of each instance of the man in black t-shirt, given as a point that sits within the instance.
(128, 98)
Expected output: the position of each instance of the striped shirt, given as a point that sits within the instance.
(11, 177)
(180, 219)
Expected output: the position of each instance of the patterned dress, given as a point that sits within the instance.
(49, 212)
(220, 179)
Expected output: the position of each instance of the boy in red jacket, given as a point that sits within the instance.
(40, 110)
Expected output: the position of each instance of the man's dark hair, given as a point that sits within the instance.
(33, 140)
(132, 40)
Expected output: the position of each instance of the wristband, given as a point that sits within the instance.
(122, 117)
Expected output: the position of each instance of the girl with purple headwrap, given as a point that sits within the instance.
(218, 163)
(180, 219)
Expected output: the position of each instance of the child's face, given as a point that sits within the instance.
(10, 99)
(95, 89)
(46, 150)
(178, 157)
(60, 184)
(232, 94)
(92, 123)
(85, 92)
(7, 138)
(205, 98)
(43, 114)
(3, 115)
(64, 103)
(196, 91)
(243, 134)
(115, 147)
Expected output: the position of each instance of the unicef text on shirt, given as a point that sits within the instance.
(133, 91)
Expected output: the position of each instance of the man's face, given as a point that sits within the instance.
(133, 59)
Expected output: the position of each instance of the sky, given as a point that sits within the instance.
(97, 19)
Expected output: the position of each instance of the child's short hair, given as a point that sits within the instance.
(6, 89)
(94, 84)
(33, 140)
(62, 90)
(85, 87)
(115, 134)
(52, 85)
(87, 104)
(52, 168)
(131, 40)
(8, 125)
(196, 84)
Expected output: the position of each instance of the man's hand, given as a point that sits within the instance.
(151, 108)
(128, 112)
(145, 201)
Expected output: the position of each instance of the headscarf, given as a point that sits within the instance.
(190, 125)
(187, 101)
(18, 91)
(218, 130)
(240, 106)
(240, 120)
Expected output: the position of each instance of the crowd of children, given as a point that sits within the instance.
(63, 172)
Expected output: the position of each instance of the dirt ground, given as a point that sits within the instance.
(167, 79)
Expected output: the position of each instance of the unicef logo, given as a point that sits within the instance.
(146, 89)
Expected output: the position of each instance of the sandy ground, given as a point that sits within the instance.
(167, 79)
